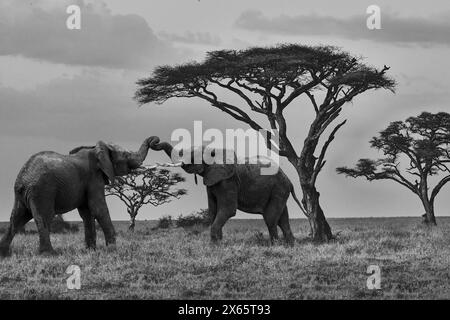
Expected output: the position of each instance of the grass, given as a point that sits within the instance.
(179, 263)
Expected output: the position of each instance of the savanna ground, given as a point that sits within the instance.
(181, 264)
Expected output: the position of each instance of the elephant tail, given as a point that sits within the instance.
(298, 202)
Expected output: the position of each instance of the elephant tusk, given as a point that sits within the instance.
(147, 167)
(167, 164)
(143, 169)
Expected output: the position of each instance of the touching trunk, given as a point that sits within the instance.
(167, 147)
(138, 158)
(320, 229)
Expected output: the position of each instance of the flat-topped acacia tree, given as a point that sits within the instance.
(145, 186)
(423, 144)
(267, 80)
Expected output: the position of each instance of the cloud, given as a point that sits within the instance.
(96, 104)
(190, 37)
(38, 30)
(82, 107)
(395, 29)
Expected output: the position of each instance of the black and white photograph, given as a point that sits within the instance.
(224, 155)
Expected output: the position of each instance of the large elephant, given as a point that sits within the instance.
(241, 186)
(51, 183)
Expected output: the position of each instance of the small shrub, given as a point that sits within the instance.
(201, 217)
(165, 222)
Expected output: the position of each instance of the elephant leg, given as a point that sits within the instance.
(283, 223)
(271, 224)
(220, 220)
(99, 210)
(212, 206)
(226, 208)
(90, 233)
(272, 216)
(19, 217)
(43, 214)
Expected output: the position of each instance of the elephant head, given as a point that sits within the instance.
(203, 161)
(114, 160)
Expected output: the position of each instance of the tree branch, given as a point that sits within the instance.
(438, 187)
(320, 161)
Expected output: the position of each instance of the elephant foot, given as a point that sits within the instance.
(5, 252)
(216, 237)
(290, 242)
(91, 244)
(112, 247)
(47, 252)
(110, 242)
(91, 247)
(274, 241)
(215, 242)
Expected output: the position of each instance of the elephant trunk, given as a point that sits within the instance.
(167, 147)
(137, 158)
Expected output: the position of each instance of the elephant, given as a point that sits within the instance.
(50, 184)
(241, 186)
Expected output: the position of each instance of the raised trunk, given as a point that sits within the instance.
(138, 157)
(167, 147)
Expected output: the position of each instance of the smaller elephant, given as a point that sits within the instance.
(51, 183)
(241, 186)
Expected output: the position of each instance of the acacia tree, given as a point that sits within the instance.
(266, 80)
(423, 143)
(147, 186)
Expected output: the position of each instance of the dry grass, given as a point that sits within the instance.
(181, 264)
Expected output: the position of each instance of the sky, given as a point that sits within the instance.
(62, 88)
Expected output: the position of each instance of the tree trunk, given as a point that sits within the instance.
(320, 229)
(132, 222)
(428, 217)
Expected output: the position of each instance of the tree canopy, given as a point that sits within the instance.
(268, 74)
(424, 142)
(145, 186)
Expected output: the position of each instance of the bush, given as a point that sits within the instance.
(201, 217)
(165, 222)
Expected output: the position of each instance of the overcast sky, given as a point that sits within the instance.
(63, 88)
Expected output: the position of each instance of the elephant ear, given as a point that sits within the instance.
(214, 173)
(104, 160)
(218, 172)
